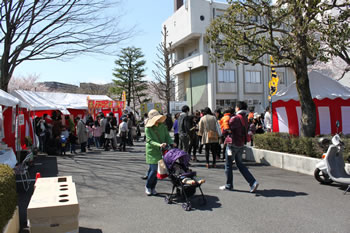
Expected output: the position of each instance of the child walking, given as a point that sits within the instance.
(73, 142)
(64, 140)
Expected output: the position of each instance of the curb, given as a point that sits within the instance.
(290, 162)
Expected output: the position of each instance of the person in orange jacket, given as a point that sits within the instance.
(225, 128)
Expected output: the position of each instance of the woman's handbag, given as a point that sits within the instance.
(133, 132)
(212, 135)
(162, 171)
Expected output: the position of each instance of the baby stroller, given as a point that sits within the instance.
(184, 180)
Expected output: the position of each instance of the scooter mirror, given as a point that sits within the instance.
(336, 140)
(337, 123)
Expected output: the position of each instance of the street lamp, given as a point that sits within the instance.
(190, 65)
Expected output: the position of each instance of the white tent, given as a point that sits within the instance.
(8, 100)
(321, 87)
(37, 102)
(332, 102)
(72, 101)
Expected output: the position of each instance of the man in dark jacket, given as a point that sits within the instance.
(184, 128)
(239, 128)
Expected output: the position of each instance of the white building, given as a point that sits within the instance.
(213, 85)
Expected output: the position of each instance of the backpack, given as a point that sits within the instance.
(244, 130)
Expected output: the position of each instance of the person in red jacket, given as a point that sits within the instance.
(239, 128)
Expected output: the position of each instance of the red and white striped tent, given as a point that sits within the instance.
(12, 110)
(332, 102)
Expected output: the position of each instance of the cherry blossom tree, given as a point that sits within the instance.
(335, 68)
(28, 83)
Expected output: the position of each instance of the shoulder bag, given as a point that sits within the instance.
(212, 135)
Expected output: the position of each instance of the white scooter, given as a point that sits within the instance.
(321, 173)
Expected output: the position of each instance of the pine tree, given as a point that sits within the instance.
(129, 75)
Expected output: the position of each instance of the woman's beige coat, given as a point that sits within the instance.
(207, 122)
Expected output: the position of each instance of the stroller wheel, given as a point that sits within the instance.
(168, 200)
(178, 192)
(186, 206)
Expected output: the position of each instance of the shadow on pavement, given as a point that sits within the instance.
(212, 202)
(89, 230)
(279, 193)
(339, 186)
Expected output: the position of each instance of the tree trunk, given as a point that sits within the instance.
(129, 93)
(5, 72)
(4, 80)
(129, 83)
(308, 108)
(167, 94)
(133, 93)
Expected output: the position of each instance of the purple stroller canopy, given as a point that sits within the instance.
(172, 155)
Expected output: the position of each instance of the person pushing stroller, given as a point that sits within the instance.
(157, 137)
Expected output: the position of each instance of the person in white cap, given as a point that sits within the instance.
(157, 137)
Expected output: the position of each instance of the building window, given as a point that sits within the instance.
(253, 77)
(219, 13)
(281, 78)
(223, 104)
(226, 76)
(254, 19)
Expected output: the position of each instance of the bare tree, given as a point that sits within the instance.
(164, 84)
(53, 29)
(26, 83)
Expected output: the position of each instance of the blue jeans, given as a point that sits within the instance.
(97, 142)
(237, 154)
(152, 176)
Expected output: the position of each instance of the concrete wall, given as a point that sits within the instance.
(178, 25)
(199, 89)
(291, 162)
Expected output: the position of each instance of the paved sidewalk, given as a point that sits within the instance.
(112, 199)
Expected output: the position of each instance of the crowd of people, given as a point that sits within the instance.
(219, 133)
(58, 137)
(188, 130)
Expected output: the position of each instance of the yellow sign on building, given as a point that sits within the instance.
(145, 108)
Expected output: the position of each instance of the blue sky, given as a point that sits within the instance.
(147, 15)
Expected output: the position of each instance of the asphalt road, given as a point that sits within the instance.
(112, 199)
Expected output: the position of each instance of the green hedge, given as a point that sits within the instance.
(8, 194)
(284, 142)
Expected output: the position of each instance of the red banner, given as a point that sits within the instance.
(93, 104)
